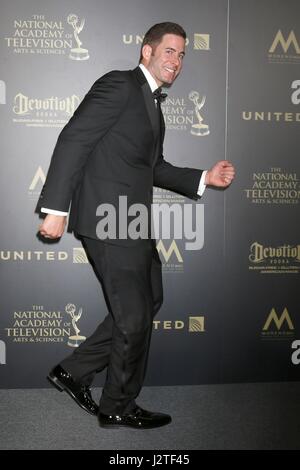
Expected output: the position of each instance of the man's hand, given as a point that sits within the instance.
(53, 226)
(220, 175)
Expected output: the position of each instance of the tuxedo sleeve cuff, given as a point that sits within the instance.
(202, 185)
(53, 212)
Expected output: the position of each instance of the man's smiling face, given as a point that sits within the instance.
(164, 61)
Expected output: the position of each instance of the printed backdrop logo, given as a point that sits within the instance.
(77, 256)
(40, 35)
(278, 327)
(196, 324)
(201, 42)
(172, 260)
(161, 196)
(46, 112)
(199, 129)
(167, 253)
(32, 256)
(2, 92)
(77, 53)
(284, 49)
(75, 340)
(276, 186)
(38, 325)
(129, 39)
(283, 259)
(179, 117)
(270, 116)
(37, 183)
(193, 325)
(2, 353)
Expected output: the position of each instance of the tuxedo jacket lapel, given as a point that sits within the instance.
(152, 110)
(149, 102)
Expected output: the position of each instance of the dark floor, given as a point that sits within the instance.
(235, 416)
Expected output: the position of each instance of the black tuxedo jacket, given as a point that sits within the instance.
(112, 146)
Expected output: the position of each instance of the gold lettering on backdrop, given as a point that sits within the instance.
(273, 317)
(274, 187)
(39, 35)
(167, 253)
(24, 104)
(278, 116)
(259, 253)
(38, 177)
(21, 255)
(285, 43)
(37, 326)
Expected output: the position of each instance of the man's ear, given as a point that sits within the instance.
(146, 52)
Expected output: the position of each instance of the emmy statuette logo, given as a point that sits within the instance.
(75, 340)
(199, 129)
(77, 53)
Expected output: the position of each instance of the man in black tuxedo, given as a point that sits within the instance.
(112, 147)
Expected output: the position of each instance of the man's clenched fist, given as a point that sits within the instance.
(53, 226)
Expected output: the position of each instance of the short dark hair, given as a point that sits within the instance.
(155, 34)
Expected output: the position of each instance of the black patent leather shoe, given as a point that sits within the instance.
(138, 418)
(80, 393)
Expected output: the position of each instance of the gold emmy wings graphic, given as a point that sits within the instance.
(74, 341)
(77, 53)
(199, 129)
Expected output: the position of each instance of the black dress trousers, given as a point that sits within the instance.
(131, 280)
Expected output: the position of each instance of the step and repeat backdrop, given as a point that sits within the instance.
(231, 277)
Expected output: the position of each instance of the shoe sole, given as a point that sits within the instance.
(118, 426)
(113, 426)
(61, 388)
(55, 382)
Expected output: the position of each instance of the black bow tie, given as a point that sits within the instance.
(159, 96)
